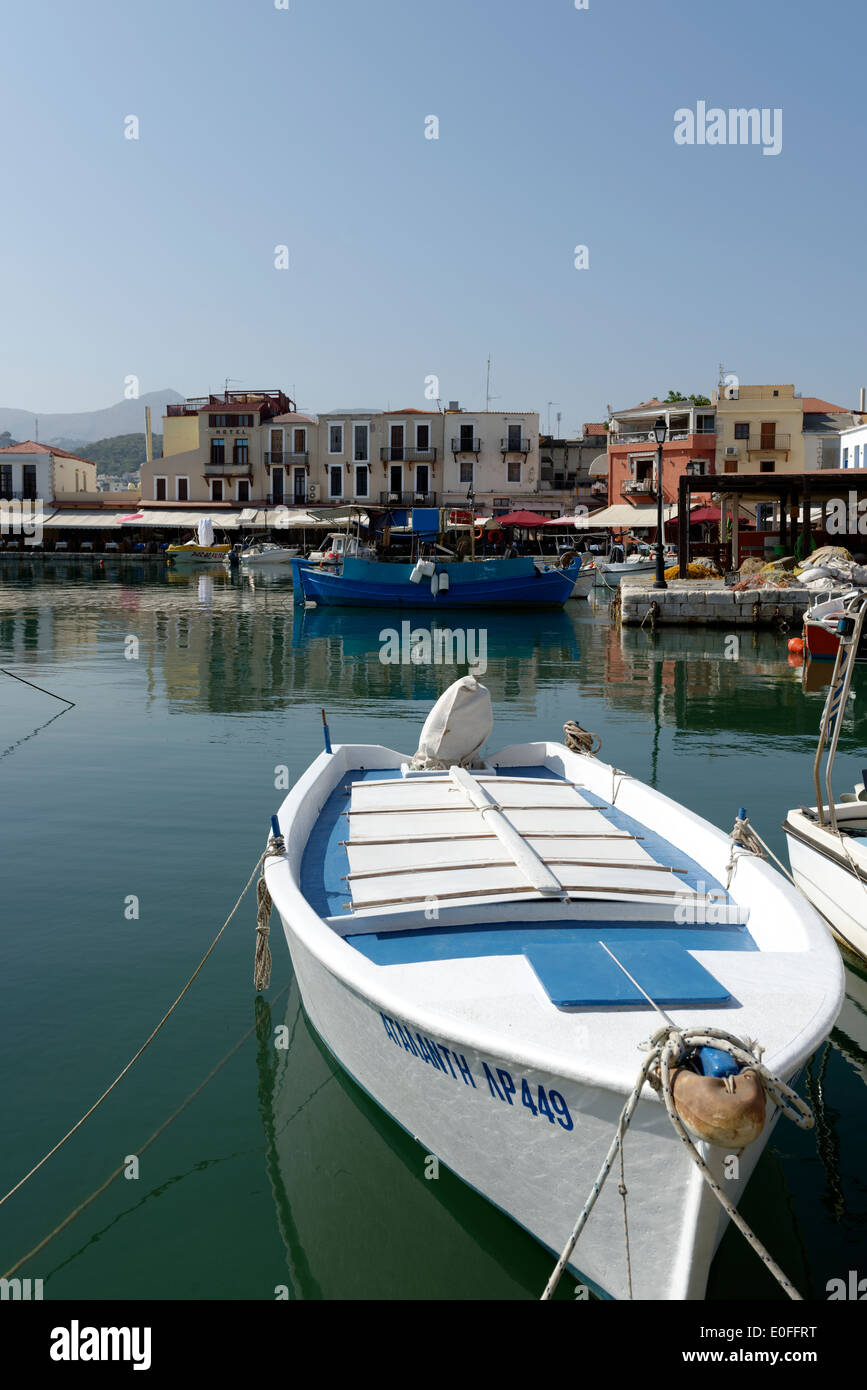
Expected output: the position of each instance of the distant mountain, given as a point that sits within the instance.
(126, 417)
(125, 453)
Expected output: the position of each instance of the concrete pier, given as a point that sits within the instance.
(708, 603)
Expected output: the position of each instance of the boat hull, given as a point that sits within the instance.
(612, 574)
(539, 1173)
(197, 554)
(503, 584)
(825, 877)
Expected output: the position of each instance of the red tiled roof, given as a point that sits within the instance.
(410, 410)
(812, 405)
(596, 427)
(30, 446)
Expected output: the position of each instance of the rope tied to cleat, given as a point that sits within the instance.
(580, 740)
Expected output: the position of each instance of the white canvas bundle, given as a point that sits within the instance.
(457, 726)
(206, 531)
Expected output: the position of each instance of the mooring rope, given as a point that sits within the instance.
(580, 740)
(271, 848)
(666, 1049)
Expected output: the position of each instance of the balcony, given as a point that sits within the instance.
(466, 446)
(286, 458)
(772, 444)
(215, 468)
(399, 453)
(639, 487)
(408, 499)
(508, 446)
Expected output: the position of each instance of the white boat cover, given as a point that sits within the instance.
(206, 531)
(457, 726)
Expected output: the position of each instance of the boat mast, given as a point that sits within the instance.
(850, 628)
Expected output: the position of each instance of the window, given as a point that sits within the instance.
(767, 466)
(359, 451)
(160, 489)
(845, 458)
(216, 489)
(6, 481)
(466, 470)
(361, 481)
(422, 438)
(742, 430)
(514, 471)
(243, 486)
(514, 439)
(240, 451)
(335, 439)
(28, 480)
(218, 451)
(335, 481)
(466, 440)
(704, 424)
(422, 479)
(299, 441)
(857, 461)
(182, 489)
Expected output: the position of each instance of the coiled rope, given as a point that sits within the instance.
(275, 846)
(580, 740)
(665, 1051)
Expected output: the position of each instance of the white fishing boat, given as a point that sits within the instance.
(585, 579)
(828, 842)
(643, 561)
(487, 942)
(339, 546)
(266, 553)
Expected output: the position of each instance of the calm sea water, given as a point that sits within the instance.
(270, 1168)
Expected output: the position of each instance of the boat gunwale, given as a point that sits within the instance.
(356, 973)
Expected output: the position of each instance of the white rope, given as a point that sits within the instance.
(667, 1049)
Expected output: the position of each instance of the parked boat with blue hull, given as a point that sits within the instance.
(486, 943)
(368, 583)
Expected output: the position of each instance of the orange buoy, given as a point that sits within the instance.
(796, 644)
(726, 1111)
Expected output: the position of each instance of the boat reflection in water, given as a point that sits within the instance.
(505, 634)
(356, 1211)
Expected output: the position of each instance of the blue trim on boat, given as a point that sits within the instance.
(520, 938)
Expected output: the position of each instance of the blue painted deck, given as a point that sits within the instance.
(565, 955)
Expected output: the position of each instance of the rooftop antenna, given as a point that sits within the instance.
(36, 423)
(488, 396)
(550, 403)
(236, 381)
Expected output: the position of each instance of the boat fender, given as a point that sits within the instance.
(444, 583)
(434, 585)
(416, 573)
(727, 1111)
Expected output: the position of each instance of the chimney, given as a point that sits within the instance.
(862, 405)
(453, 405)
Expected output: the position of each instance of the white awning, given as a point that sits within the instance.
(623, 517)
(599, 467)
(180, 516)
(81, 520)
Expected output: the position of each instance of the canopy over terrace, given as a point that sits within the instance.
(797, 495)
(623, 517)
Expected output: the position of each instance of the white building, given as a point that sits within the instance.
(853, 447)
(30, 470)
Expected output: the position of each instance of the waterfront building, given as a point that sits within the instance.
(217, 450)
(566, 465)
(852, 446)
(690, 447)
(774, 429)
(30, 470)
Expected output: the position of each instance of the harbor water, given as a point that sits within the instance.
(252, 1167)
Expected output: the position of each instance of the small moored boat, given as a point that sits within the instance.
(487, 942)
(266, 553)
(828, 842)
(201, 550)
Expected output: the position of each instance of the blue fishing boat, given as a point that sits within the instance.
(365, 583)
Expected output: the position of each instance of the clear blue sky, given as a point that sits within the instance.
(409, 256)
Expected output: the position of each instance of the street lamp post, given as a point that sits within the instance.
(659, 433)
